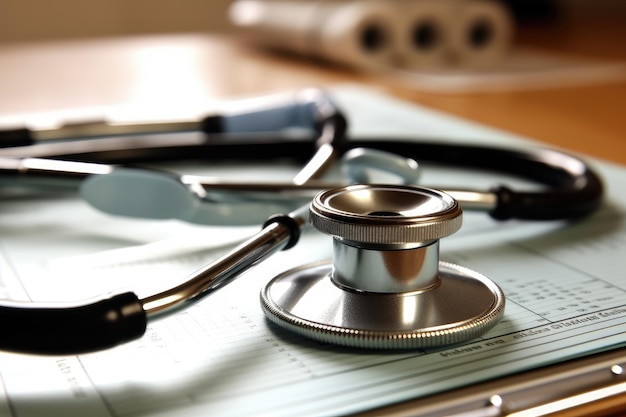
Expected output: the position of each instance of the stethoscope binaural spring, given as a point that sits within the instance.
(385, 272)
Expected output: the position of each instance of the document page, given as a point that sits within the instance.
(564, 283)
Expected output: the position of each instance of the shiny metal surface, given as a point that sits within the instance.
(39, 172)
(474, 200)
(101, 128)
(385, 237)
(274, 237)
(386, 271)
(461, 307)
(385, 287)
(385, 214)
(217, 274)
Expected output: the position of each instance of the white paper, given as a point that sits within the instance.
(564, 283)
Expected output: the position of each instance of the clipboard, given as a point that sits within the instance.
(594, 385)
(223, 358)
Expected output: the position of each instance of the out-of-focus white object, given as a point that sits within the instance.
(359, 34)
(381, 34)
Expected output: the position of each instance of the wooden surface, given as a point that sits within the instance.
(34, 77)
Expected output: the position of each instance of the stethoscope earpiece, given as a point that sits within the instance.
(386, 288)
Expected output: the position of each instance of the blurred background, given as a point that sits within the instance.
(26, 20)
(561, 78)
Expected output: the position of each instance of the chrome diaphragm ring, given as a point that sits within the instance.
(462, 307)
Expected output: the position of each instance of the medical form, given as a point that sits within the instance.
(564, 283)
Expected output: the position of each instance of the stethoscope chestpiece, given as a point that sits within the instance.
(386, 288)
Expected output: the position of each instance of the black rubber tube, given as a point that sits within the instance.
(16, 137)
(573, 189)
(71, 329)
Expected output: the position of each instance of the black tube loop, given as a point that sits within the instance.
(573, 188)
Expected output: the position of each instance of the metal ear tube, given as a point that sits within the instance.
(385, 287)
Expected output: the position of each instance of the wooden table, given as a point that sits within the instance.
(35, 77)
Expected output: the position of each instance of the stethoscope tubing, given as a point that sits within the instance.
(573, 188)
(118, 318)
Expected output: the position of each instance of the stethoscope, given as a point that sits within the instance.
(385, 287)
